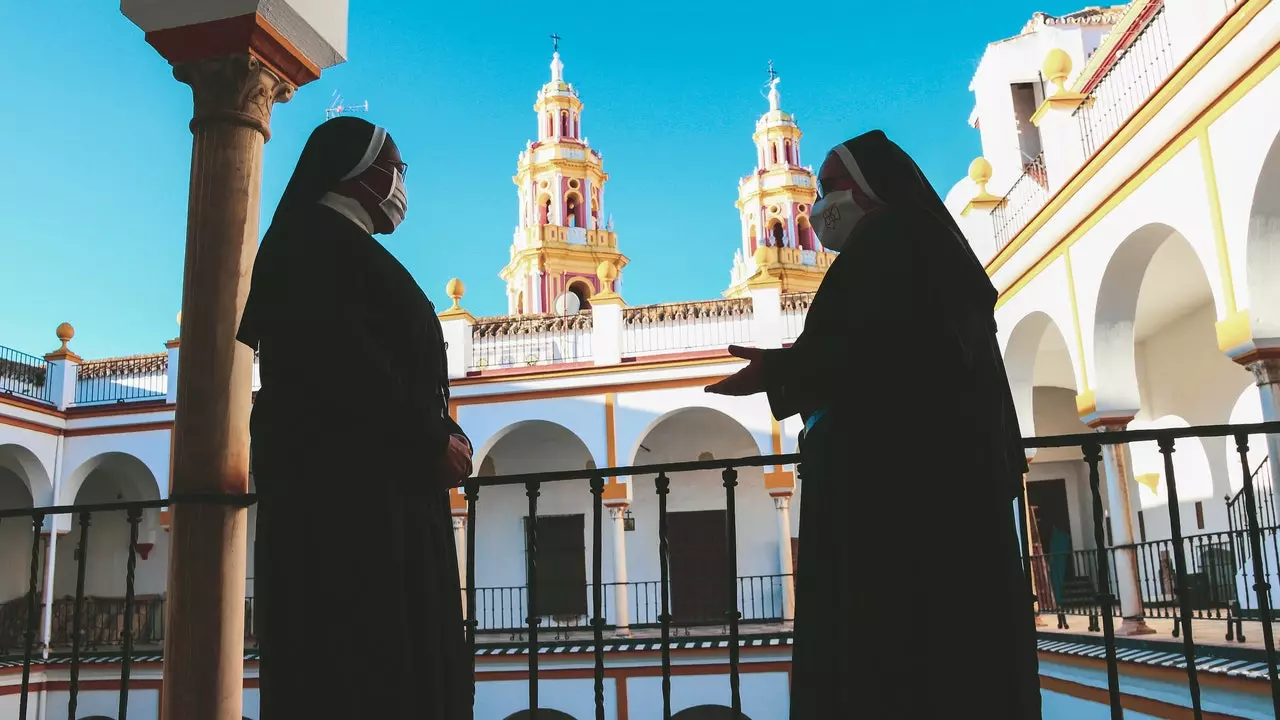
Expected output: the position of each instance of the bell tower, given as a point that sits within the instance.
(778, 244)
(564, 233)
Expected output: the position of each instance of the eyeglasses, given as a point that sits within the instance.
(400, 167)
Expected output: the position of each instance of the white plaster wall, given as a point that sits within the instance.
(765, 695)
(486, 424)
(106, 703)
(107, 562)
(497, 699)
(1048, 293)
(637, 413)
(15, 538)
(36, 459)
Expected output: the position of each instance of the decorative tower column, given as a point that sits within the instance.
(773, 203)
(563, 234)
(239, 59)
(781, 485)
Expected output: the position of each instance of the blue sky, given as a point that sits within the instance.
(94, 132)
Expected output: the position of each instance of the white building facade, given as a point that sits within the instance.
(1127, 206)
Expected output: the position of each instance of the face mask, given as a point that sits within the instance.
(396, 203)
(837, 215)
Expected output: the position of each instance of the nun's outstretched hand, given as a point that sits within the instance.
(747, 381)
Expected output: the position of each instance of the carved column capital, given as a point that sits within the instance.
(781, 502)
(236, 89)
(459, 522)
(1266, 371)
(617, 512)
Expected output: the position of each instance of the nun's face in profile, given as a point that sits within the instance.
(375, 187)
(833, 176)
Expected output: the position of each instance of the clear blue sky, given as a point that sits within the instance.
(94, 135)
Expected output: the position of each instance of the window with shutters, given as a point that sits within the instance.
(561, 568)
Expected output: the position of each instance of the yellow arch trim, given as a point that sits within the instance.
(1215, 215)
(1075, 321)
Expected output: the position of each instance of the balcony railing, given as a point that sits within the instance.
(795, 307)
(678, 327)
(1027, 196)
(23, 375)
(511, 342)
(1131, 79)
(118, 380)
(1177, 563)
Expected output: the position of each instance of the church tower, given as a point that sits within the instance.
(778, 244)
(564, 234)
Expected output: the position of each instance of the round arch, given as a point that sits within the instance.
(27, 467)
(707, 417)
(1262, 249)
(1036, 355)
(543, 714)
(540, 433)
(1158, 266)
(1190, 467)
(584, 291)
(708, 712)
(137, 482)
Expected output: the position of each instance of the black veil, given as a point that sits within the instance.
(338, 149)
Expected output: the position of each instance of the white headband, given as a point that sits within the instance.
(856, 172)
(370, 154)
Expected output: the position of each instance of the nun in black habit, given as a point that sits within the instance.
(358, 608)
(911, 599)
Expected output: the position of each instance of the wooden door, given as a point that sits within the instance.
(699, 567)
(562, 566)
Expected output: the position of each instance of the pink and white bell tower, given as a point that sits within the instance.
(564, 234)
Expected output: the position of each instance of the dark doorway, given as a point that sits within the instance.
(561, 567)
(699, 566)
(1048, 498)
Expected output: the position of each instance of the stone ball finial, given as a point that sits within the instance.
(1057, 66)
(65, 333)
(455, 290)
(606, 272)
(980, 172)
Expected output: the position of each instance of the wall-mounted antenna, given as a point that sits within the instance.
(338, 107)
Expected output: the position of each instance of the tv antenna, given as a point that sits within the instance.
(338, 107)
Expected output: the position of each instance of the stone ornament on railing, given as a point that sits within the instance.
(676, 312)
(530, 324)
(133, 365)
(797, 302)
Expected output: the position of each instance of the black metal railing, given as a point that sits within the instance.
(1027, 196)
(1266, 509)
(1211, 554)
(1133, 77)
(24, 375)
(118, 380)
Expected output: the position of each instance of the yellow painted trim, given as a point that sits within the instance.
(1234, 330)
(1241, 17)
(1086, 404)
(1075, 320)
(610, 429)
(1215, 215)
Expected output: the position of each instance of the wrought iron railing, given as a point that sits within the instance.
(24, 375)
(678, 327)
(119, 380)
(526, 341)
(1088, 566)
(1027, 196)
(1266, 509)
(1133, 77)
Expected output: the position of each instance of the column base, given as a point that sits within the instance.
(1040, 621)
(1134, 626)
(622, 632)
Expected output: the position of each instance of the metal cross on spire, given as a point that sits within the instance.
(555, 42)
(773, 74)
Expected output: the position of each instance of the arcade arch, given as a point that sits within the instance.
(20, 481)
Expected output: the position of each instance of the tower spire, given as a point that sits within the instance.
(775, 98)
(557, 67)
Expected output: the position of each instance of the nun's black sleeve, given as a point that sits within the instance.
(865, 306)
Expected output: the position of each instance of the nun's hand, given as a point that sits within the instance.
(747, 381)
(457, 461)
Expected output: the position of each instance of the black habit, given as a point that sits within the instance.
(911, 598)
(357, 599)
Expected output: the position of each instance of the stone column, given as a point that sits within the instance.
(782, 503)
(1118, 473)
(621, 606)
(460, 546)
(1266, 374)
(204, 655)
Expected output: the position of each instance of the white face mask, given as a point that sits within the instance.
(396, 203)
(838, 214)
